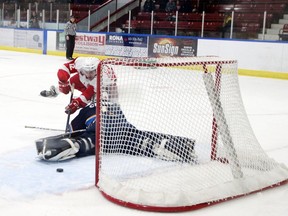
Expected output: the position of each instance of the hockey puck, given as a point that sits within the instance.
(59, 170)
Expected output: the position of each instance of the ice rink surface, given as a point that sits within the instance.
(35, 188)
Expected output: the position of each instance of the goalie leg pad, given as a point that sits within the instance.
(57, 149)
(150, 144)
(86, 144)
(175, 148)
(143, 143)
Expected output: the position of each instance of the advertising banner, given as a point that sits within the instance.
(60, 41)
(126, 45)
(7, 37)
(28, 39)
(88, 43)
(168, 47)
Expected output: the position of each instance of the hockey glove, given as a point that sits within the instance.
(72, 107)
(64, 87)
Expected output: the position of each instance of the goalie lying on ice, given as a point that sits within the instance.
(118, 137)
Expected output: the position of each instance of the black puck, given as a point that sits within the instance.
(59, 170)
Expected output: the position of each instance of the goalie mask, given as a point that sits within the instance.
(87, 66)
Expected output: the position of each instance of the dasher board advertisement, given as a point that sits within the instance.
(88, 43)
(126, 45)
(168, 47)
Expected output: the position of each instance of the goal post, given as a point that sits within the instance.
(177, 136)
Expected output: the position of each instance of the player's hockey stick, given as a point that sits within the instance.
(69, 113)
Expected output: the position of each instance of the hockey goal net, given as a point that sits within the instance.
(177, 137)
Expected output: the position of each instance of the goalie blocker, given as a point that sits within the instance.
(141, 143)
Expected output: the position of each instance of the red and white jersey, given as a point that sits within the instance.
(66, 70)
(88, 87)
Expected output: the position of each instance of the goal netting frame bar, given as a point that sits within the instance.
(250, 172)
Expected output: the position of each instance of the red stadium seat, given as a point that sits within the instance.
(212, 26)
(190, 16)
(214, 17)
(164, 25)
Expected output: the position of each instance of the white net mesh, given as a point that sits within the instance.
(178, 134)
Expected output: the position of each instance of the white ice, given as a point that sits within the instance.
(39, 190)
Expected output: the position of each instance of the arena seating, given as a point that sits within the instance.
(84, 7)
(248, 7)
(170, 25)
(248, 16)
(79, 10)
(216, 17)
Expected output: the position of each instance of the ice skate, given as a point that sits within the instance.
(49, 93)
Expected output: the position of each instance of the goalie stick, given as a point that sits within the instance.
(43, 128)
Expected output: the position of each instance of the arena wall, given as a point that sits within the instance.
(255, 58)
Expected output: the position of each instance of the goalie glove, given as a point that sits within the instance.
(64, 87)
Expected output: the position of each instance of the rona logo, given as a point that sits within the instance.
(167, 49)
(100, 40)
(115, 38)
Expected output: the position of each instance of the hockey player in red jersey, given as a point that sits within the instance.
(80, 74)
(80, 141)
